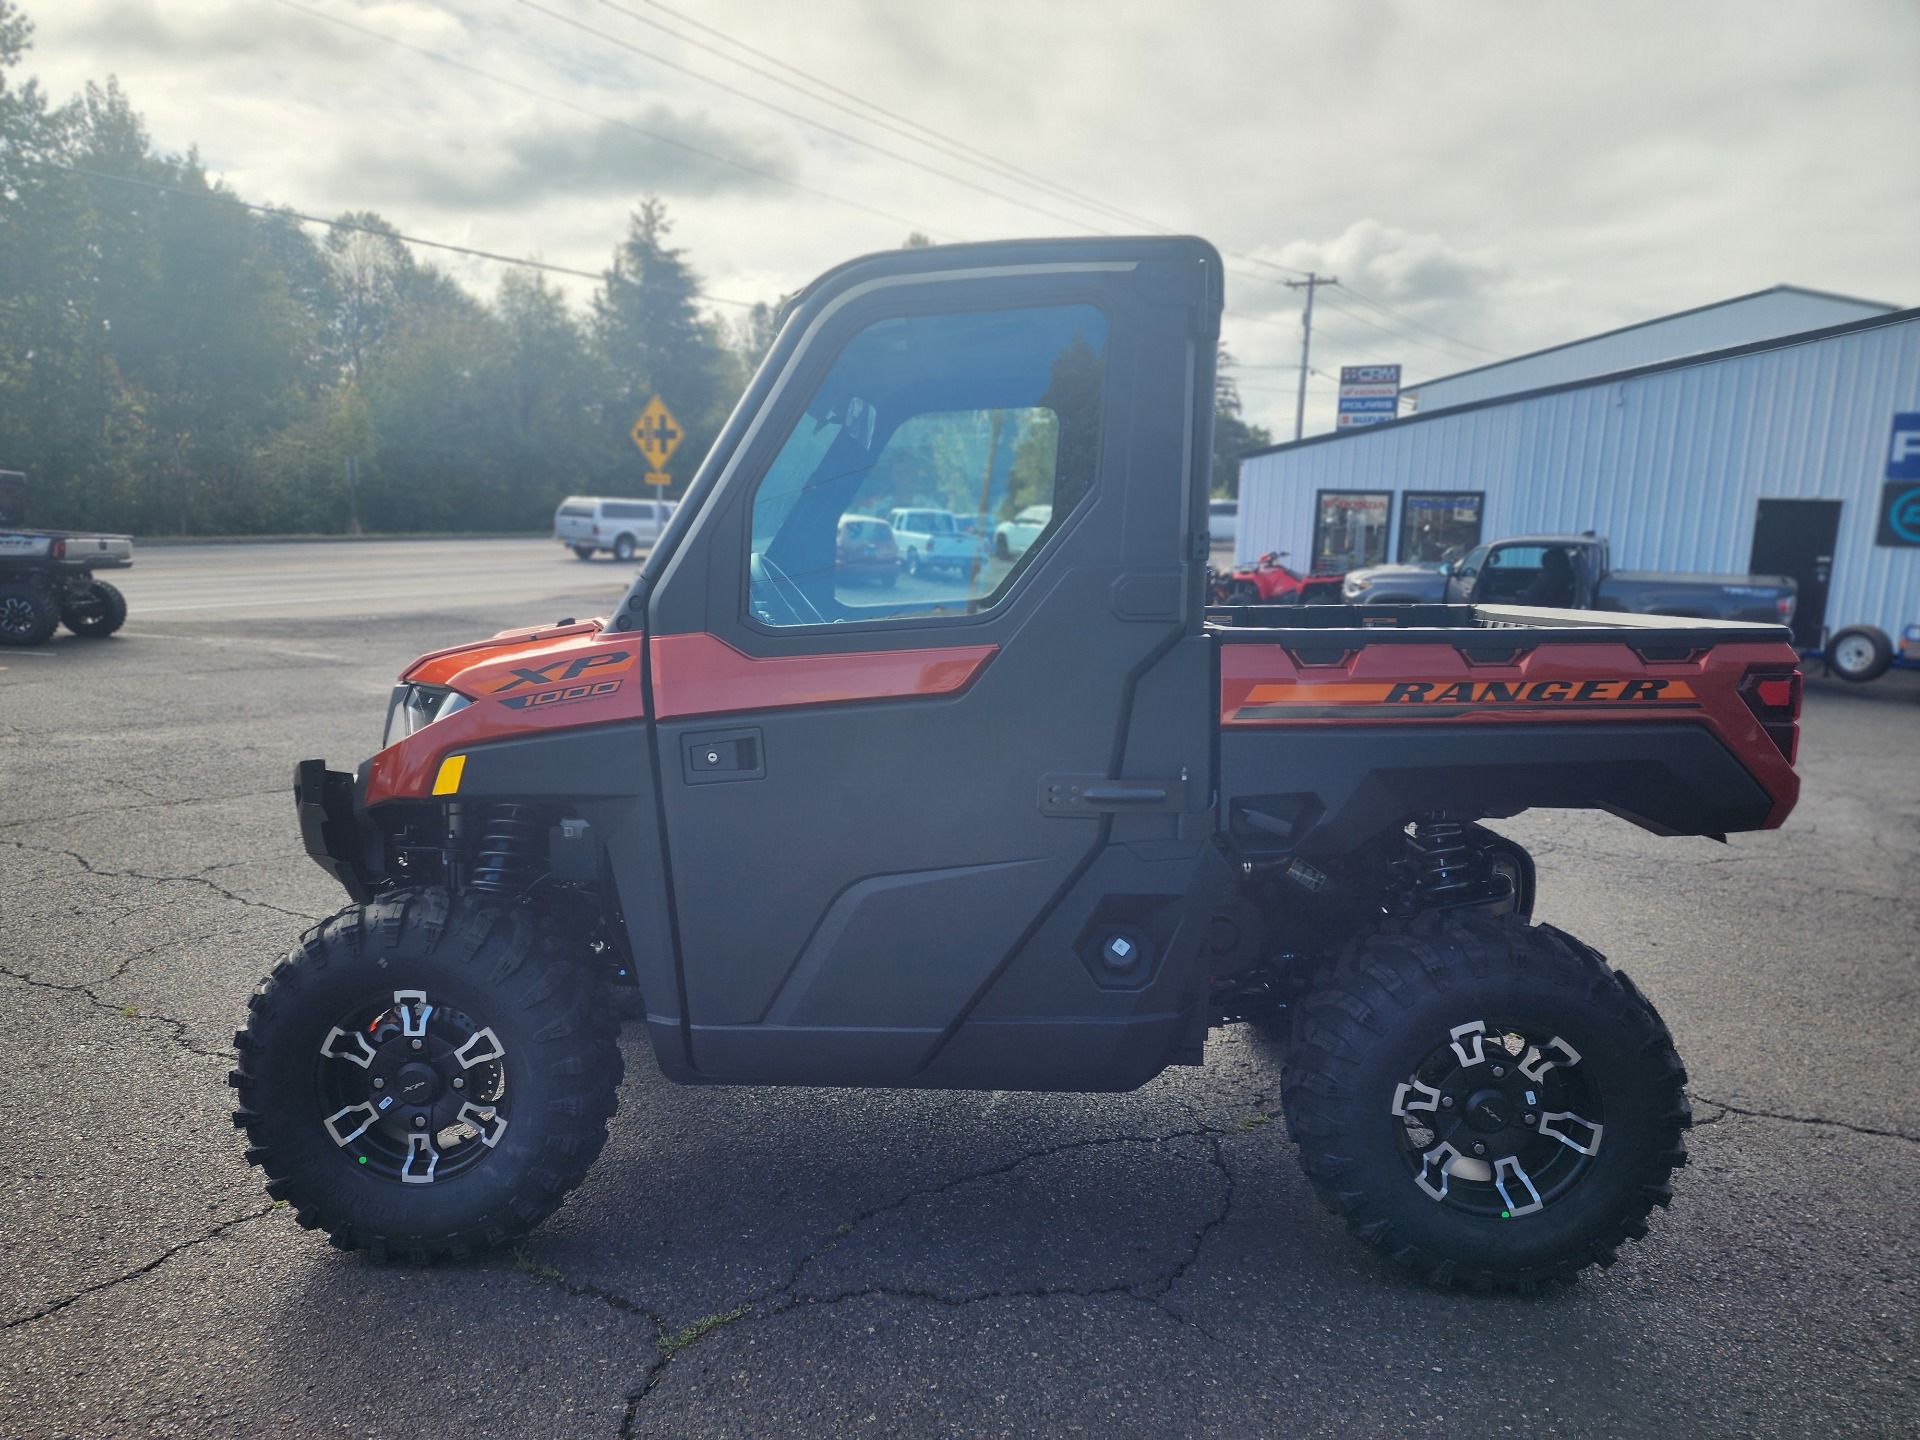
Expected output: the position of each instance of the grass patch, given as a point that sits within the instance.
(526, 1265)
(671, 1345)
(1253, 1122)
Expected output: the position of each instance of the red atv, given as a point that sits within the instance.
(1268, 582)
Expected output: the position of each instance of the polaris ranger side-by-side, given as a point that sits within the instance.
(48, 577)
(1040, 823)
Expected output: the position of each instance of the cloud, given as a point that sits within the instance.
(1395, 265)
(659, 149)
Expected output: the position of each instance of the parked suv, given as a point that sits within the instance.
(587, 523)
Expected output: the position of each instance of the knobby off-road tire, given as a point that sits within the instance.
(27, 616)
(103, 611)
(536, 1113)
(1394, 1056)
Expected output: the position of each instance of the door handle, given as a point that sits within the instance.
(721, 755)
(1101, 795)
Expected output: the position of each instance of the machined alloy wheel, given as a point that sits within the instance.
(624, 548)
(425, 1077)
(1484, 1102)
(27, 617)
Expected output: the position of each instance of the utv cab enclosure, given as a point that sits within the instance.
(1039, 822)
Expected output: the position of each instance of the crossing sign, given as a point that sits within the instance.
(657, 434)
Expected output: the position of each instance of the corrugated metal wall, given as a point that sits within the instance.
(1766, 316)
(1669, 466)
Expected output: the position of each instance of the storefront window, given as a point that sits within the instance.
(1350, 529)
(1439, 525)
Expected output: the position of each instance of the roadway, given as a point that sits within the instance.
(844, 1262)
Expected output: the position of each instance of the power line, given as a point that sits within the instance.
(892, 121)
(286, 213)
(626, 125)
(1404, 319)
(821, 125)
(1400, 335)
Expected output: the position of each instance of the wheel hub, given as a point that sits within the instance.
(1499, 1120)
(413, 1090)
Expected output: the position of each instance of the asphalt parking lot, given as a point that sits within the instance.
(841, 1262)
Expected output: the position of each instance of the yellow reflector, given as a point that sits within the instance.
(447, 782)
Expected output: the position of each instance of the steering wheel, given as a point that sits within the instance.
(773, 590)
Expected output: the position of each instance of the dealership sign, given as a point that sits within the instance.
(1900, 499)
(1369, 395)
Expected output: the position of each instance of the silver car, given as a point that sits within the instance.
(589, 523)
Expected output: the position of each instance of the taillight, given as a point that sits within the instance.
(58, 550)
(1784, 606)
(596, 529)
(1773, 695)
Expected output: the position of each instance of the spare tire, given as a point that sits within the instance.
(1859, 653)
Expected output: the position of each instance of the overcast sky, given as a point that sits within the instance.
(1498, 176)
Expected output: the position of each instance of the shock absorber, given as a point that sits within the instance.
(503, 859)
(1446, 864)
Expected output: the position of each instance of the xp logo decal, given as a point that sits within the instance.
(563, 669)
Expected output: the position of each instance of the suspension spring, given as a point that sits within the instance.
(503, 860)
(1446, 864)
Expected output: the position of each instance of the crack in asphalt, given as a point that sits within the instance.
(1749, 1113)
(784, 1299)
(197, 879)
(149, 802)
(55, 1307)
(182, 1029)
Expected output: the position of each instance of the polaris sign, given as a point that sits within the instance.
(1900, 497)
(1369, 395)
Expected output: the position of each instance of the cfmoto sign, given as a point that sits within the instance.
(1900, 499)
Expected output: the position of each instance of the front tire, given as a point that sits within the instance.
(98, 613)
(28, 617)
(425, 1079)
(1485, 1102)
(1860, 653)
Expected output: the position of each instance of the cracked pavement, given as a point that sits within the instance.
(873, 1262)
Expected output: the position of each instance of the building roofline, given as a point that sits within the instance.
(1708, 357)
(1658, 320)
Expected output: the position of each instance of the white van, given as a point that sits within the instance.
(586, 523)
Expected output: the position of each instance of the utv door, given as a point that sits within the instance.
(948, 828)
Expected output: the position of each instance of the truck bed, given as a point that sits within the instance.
(1487, 710)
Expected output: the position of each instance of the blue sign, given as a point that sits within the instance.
(1899, 514)
(1369, 395)
(1903, 454)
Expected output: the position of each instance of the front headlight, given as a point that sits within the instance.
(1354, 584)
(414, 707)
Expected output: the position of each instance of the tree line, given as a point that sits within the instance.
(175, 361)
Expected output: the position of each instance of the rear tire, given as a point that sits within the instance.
(1860, 653)
(1407, 1129)
(28, 616)
(533, 1096)
(624, 549)
(102, 611)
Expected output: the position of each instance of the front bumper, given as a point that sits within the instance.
(339, 840)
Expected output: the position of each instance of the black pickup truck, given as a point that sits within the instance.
(1038, 824)
(48, 579)
(1572, 572)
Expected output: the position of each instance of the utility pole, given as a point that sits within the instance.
(1310, 284)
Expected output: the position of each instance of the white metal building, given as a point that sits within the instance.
(1743, 320)
(1777, 457)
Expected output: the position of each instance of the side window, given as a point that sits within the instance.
(1470, 566)
(912, 484)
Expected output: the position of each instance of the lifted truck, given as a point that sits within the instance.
(47, 577)
(1041, 830)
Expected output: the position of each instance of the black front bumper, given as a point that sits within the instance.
(340, 842)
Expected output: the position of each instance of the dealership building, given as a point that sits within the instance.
(1775, 433)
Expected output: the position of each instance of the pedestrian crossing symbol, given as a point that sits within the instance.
(657, 434)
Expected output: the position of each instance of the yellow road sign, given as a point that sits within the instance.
(657, 434)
